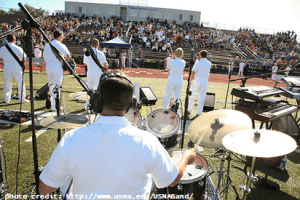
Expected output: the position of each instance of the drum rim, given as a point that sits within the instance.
(139, 120)
(166, 135)
(196, 179)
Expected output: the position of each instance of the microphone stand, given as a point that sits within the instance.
(57, 104)
(32, 23)
(188, 93)
(34, 144)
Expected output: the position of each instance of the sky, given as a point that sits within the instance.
(263, 15)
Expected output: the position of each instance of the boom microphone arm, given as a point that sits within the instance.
(35, 24)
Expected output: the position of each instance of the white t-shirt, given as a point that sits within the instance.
(176, 67)
(8, 59)
(202, 69)
(91, 63)
(109, 157)
(49, 56)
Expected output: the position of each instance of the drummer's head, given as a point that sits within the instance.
(116, 93)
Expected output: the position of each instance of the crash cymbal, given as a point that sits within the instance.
(81, 96)
(209, 128)
(264, 144)
(62, 122)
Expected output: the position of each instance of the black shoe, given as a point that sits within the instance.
(187, 114)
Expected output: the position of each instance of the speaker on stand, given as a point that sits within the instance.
(43, 91)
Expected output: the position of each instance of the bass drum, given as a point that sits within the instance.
(193, 180)
(165, 125)
(134, 117)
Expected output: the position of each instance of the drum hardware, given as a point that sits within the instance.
(194, 178)
(256, 143)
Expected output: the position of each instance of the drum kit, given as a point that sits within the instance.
(228, 131)
(231, 132)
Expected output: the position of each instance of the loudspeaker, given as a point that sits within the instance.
(43, 91)
(147, 96)
(209, 102)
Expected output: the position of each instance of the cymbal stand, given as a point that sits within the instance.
(246, 188)
(57, 105)
(89, 113)
(219, 190)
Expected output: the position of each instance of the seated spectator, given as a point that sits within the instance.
(148, 44)
(154, 47)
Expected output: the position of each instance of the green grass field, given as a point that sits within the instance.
(46, 142)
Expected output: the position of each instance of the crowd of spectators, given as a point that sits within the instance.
(281, 48)
(160, 35)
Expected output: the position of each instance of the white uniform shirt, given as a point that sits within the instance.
(109, 157)
(176, 67)
(49, 56)
(91, 63)
(202, 69)
(8, 58)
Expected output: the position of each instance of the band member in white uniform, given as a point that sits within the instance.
(94, 72)
(13, 69)
(54, 66)
(110, 156)
(200, 73)
(175, 81)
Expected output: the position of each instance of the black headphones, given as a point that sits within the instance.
(96, 98)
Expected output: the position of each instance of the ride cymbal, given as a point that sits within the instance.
(62, 122)
(81, 96)
(209, 128)
(259, 143)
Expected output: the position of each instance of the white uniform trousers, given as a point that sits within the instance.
(15, 71)
(93, 77)
(199, 87)
(173, 84)
(55, 77)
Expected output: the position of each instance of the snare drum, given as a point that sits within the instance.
(193, 180)
(165, 125)
(134, 117)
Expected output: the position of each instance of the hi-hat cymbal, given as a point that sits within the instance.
(267, 145)
(81, 96)
(62, 122)
(209, 128)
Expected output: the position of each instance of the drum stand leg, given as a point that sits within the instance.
(246, 188)
(218, 191)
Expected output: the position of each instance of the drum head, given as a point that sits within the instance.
(193, 172)
(134, 117)
(163, 123)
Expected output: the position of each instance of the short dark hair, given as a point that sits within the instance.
(203, 53)
(10, 38)
(95, 43)
(116, 92)
(57, 33)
